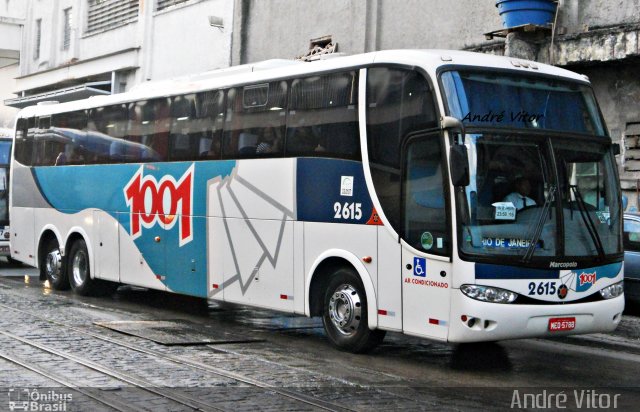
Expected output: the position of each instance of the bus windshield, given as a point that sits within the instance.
(487, 99)
(532, 197)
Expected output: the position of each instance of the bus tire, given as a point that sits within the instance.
(79, 270)
(344, 314)
(52, 267)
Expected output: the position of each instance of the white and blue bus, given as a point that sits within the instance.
(449, 195)
(6, 141)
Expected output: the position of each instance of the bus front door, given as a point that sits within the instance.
(426, 267)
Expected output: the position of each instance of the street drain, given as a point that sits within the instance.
(175, 332)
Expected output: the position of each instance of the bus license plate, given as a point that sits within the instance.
(561, 324)
(4, 249)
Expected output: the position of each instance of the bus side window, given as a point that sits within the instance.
(47, 147)
(323, 116)
(255, 121)
(399, 101)
(210, 117)
(183, 136)
(148, 132)
(24, 141)
(110, 124)
(70, 130)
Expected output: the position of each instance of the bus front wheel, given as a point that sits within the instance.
(345, 314)
(51, 267)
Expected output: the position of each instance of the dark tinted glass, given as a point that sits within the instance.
(255, 121)
(209, 122)
(398, 102)
(323, 116)
(24, 146)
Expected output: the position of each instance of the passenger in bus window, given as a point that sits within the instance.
(269, 143)
(214, 150)
(61, 159)
(305, 141)
(77, 155)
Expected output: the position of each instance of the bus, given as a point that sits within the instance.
(449, 195)
(6, 141)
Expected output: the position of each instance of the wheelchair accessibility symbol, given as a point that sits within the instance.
(419, 267)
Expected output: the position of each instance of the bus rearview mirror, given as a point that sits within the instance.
(459, 165)
(615, 148)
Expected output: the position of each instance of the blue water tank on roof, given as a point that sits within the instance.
(520, 12)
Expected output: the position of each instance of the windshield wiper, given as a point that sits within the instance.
(539, 225)
(591, 227)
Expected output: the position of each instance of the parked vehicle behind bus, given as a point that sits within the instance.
(454, 196)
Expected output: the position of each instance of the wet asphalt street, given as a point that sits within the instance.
(145, 350)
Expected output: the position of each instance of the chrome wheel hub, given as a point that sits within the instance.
(345, 309)
(79, 268)
(53, 264)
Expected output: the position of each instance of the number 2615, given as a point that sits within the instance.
(347, 211)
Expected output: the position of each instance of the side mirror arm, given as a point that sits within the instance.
(452, 124)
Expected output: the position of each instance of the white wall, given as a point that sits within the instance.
(7, 85)
(183, 42)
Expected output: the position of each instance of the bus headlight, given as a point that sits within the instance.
(612, 291)
(489, 293)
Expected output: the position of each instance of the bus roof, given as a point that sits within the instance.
(429, 60)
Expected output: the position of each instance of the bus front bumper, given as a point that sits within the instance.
(475, 321)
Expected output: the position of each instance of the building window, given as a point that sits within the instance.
(108, 14)
(36, 46)
(67, 17)
(632, 149)
(165, 4)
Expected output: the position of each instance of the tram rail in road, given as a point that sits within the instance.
(49, 333)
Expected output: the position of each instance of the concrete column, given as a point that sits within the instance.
(371, 26)
(145, 42)
(521, 46)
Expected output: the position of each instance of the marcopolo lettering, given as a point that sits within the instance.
(562, 265)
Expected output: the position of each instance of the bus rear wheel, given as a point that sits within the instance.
(78, 269)
(51, 267)
(79, 273)
(345, 314)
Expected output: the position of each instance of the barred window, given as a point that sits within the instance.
(67, 17)
(38, 37)
(165, 4)
(108, 14)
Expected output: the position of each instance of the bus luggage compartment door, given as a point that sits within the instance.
(106, 248)
(22, 235)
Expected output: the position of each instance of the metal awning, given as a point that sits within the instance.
(61, 95)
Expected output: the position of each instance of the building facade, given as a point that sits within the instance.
(74, 48)
(12, 13)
